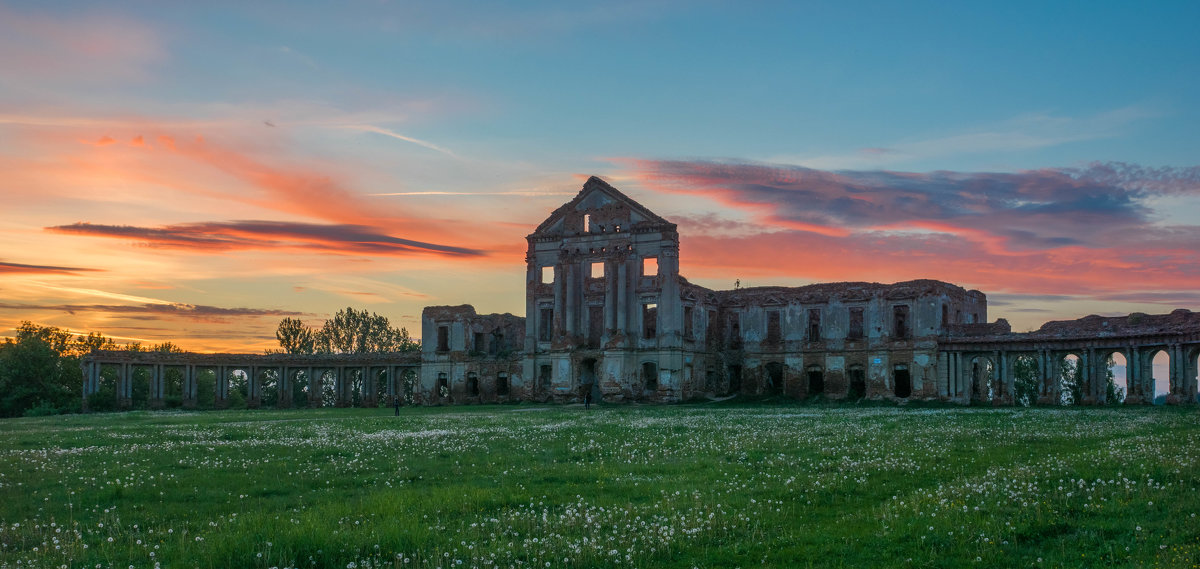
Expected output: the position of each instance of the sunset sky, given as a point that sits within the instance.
(196, 172)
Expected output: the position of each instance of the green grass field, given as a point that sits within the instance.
(630, 486)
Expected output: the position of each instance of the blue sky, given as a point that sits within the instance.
(227, 159)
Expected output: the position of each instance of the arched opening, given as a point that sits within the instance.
(858, 382)
(1160, 374)
(206, 388)
(472, 384)
(773, 382)
(502, 384)
(443, 386)
(982, 379)
(650, 375)
(735, 378)
(902, 381)
(1116, 381)
(1070, 380)
(239, 389)
(1026, 380)
(269, 388)
(139, 389)
(329, 387)
(173, 386)
(816, 380)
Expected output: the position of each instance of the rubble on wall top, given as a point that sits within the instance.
(845, 291)
(1179, 321)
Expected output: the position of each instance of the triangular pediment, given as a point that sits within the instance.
(605, 207)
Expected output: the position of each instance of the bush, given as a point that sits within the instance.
(43, 408)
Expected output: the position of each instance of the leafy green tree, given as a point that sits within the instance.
(294, 337)
(1025, 381)
(349, 331)
(39, 369)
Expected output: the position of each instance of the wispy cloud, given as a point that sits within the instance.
(190, 311)
(398, 136)
(19, 268)
(244, 235)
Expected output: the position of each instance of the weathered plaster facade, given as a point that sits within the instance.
(608, 313)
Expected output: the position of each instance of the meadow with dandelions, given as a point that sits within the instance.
(628, 486)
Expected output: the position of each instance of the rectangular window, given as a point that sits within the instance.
(544, 375)
(650, 375)
(774, 329)
(547, 275)
(545, 324)
(900, 321)
(443, 344)
(649, 320)
(735, 331)
(587, 223)
(595, 325)
(814, 325)
(856, 324)
(479, 342)
(687, 322)
(596, 271)
(502, 384)
(649, 266)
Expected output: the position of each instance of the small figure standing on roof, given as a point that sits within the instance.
(737, 284)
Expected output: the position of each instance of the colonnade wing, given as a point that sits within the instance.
(211, 380)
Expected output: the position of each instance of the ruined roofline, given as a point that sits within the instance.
(1180, 322)
(596, 184)
(850, 290)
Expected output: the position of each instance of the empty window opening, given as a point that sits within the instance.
(773, 384)
(858, 382)
(498, 345)
(902, 381)
(649, 320)
(480, 342)
(502, 384)
(710, 379)
(735, 378)
(735, 331)
(617, 228)
(443, 344)
(900, 321)
(596, 271)
(545, 324)
(443, 385)
(595, 325)
(472, 384)
(816, 380)
(774, 329)
(650, 375)
(547, 275)
(855, 331)
(814, 325)
(945, 316)
(587, 223)
(544, 375)
(649, 266)
(687, 323)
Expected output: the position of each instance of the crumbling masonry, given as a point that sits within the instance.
(607, 312)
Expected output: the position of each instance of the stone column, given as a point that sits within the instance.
(572, 298)
(610, 299)
(314, 387)
(189, 386)
(124, 391)
(622, 304)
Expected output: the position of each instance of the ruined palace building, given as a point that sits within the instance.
(607, 313)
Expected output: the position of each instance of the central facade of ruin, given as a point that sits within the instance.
(608, 313)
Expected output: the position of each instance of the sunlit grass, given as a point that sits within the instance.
(681, 486)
